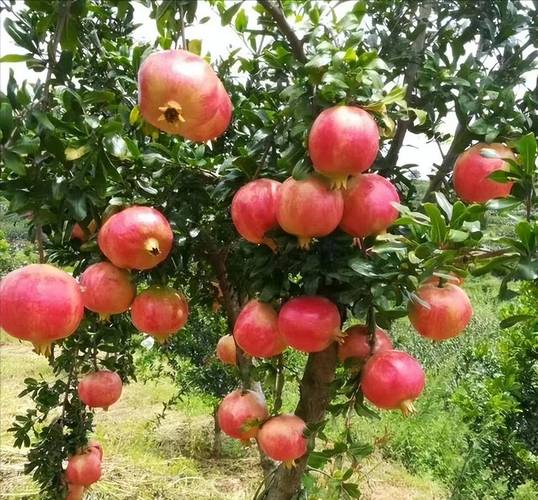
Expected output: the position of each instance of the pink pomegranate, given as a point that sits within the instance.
(241, 414)
(40, 303)
(180, 94)
(309, 323)
(136, 238)
(448, 314)
(282, 438)
(256, 330)
(78, 233)
(226, 350)
(308, 209)
(356, 343)
(367, 206)
(84, 468)
(106, 289)
(472, 169)
(343, 141)
(254, 211)
(100, 389)
(392, 379)
(160, 312)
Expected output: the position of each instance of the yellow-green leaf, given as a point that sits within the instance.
(195, 46)
(134, 115)
(76, 153)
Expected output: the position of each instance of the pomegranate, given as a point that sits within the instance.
(282, 438)
(75, 491)
(472, 169)
(106, 289)
(367, 206)
(40, 303)
(356, 343)
(392, 379)
(448, 314)
(160, 312)
(226, 350)
(343, 141)
(78, 233)
(180, 94)
(307, 209)
(136, 238)
(84, 468)
(309, 323)
(254, 211)
(96, 447)
(256, 330)
(100, 389)
(241, 414)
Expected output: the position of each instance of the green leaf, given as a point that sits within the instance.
(134, 115)
(228, 14)
(503, 203)
(241, 21)
(445, 205)
(14, 163)
(116, 146)
(457, 236)
(69, 39)
(526, 147)
(26, 145)
(319, 61)
(350, 55)
(43, 120)
(514, 320)
(6, 118)
(195, 46)
(72, 154)
(14, 58)
(439, 228)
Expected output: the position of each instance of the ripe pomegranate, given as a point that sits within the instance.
(136, 238)
(78, 233)
(472, 169)
(160, 312)
(106, 289)
(226, 350)
(254, 211)
(282, 438)
(308, 208)
(100, 389)
(392, 379)
(180, 94)
(448, 314)
(241, 414)
(343, 141)
(75, 491)
(40, 303)
(309, 323)
(256, 330)
(356, 343)
(84, 468)
(367, 206)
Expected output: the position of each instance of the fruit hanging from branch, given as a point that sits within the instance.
(100, 389)
(226, 350)
(84, 468)
(356, 343)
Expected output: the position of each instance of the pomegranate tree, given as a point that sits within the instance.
(226, 350)
(84, 468)
(100, 389)
(356, 343)
(241, 413)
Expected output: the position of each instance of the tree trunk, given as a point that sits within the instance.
(217, 442)
(316, 394)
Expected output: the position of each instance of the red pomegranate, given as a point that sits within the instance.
(160, 312)
(40, 303)
(367, 206)
(392, 379)
(343, 141)
(136, 238)
(309, 323)
(226, 350)
(448, 314)
(180, 94)
(308, 208)
(241, 414)
(256, 330)
(84, 468)
(75, 492)
(356, 345)
(254, 211)
(472, 169)
(106, 289)
(96, 447)
(100, 389)
(78, 233)
(282, 438)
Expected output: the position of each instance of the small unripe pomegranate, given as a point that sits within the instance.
(78, 233)
(106, 289)
(180, 94)
(254, 211)
(159, 312)
(136, 238)
(356, 343)
(343, 141)
(309, 323)
(392, 379)
(472, 169)
(100, 389)
(241, 414)
(282, 438)
(226, 350)
(308, 208)
(40, 303)
(448, 314)
(367, 206)
(256, 330)
(84, 468)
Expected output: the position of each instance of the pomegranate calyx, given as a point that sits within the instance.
(289, 464)
(103, 317)
(339, 336)
(43, 348)
(338, 182)
(407, 407)
(171, 113)
(304, 242)
(152, 246)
